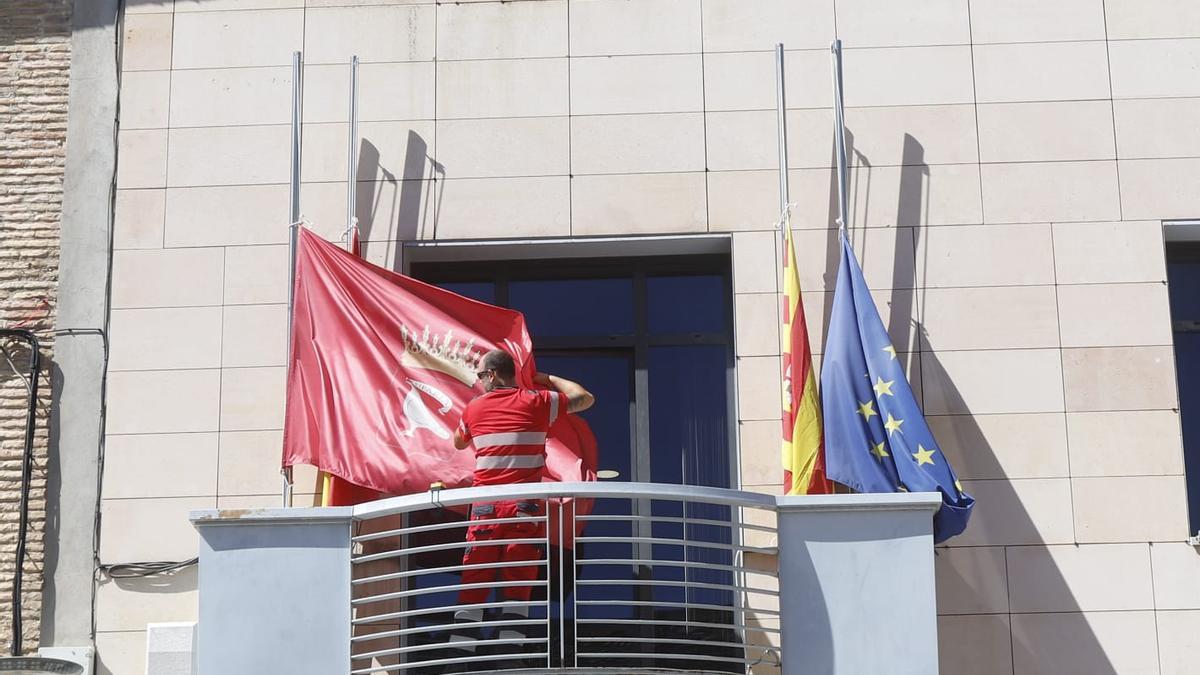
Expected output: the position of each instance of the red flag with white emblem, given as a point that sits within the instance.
(381, 368)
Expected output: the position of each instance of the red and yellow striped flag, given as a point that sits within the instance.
(803, 444)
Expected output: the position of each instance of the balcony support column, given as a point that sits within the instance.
(857, 584)
(275, 591)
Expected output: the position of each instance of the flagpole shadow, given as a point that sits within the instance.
(398, 204)
(976, 625)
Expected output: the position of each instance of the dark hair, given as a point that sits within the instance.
(501, 362)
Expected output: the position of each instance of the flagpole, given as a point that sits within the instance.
(843, 177)
(839, 117)
(326, 479)
(352, 155)
(294, 220)
(781, 119)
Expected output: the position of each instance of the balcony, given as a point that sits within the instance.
(626, 578)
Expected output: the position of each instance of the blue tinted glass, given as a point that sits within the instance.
(574, 306)
(689, 443)
(1187, 366)
(1183, 287)
(608, 376)
(688, 409)
(694, 304)
(483, 291)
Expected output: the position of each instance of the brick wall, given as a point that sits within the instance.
(34, 63)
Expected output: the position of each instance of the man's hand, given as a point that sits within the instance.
(460, 441)
(578, 398)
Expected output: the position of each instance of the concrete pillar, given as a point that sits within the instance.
(77, 378)
(856, 584)
(295, 562)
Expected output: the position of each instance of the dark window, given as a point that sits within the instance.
(1183, 285)
(559, 307)
(652, 337)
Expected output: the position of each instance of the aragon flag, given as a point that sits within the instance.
(381, 367)
(803, 449)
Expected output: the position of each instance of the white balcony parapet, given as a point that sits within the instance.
(632, 578)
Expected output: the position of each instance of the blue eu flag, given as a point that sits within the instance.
(876, 439)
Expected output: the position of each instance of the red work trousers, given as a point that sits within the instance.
(483, 531)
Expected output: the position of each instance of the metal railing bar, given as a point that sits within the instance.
(434, 610)
(556, 491)
(666, 657)
(648, 562)
(458, 524)
(443, 645)
(675, 605)
(676, 583)
(391, 576)
(670, 520)
(441, 547)
(444, 627)
(562, 599)
(681, 641)
(444, 589)
(668, 622)
(717, 546)
(443, 662)
(549, 614)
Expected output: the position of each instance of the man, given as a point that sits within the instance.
(508, 427)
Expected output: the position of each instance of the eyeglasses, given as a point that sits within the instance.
(481, 373)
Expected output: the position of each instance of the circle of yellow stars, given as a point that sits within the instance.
(892, 425)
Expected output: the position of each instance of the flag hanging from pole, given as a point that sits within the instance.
(381, 368)
(877, 437)
(803, 450)
(336, 491)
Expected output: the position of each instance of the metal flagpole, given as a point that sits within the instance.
(781, 117)
(784, 226)
(352, 156)
(843, 176)
(294, 219)
(326, 479)
(839, 117)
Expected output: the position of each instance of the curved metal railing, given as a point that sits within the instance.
(634, 577)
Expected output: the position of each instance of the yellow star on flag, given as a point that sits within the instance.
(958, 486)
(882, 387)
(866, 409)
(923, 456)
(878, 450)
(892, 424)
(891, 350)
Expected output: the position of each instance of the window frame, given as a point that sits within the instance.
(503, 272)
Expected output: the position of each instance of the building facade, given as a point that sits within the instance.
(1016, 170)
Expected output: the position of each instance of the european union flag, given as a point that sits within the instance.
(876, 439)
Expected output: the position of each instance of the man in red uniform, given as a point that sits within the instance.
(508, 427)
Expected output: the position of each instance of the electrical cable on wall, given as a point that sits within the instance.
(31, 384)
(135, 570)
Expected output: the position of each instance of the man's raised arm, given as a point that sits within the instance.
(578, 398)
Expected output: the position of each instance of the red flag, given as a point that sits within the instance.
(381, 368)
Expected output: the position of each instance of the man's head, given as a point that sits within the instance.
(497, 368)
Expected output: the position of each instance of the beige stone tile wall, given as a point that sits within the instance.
(1011, 165)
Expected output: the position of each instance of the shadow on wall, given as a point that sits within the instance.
(391, 208)
(977, 625)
